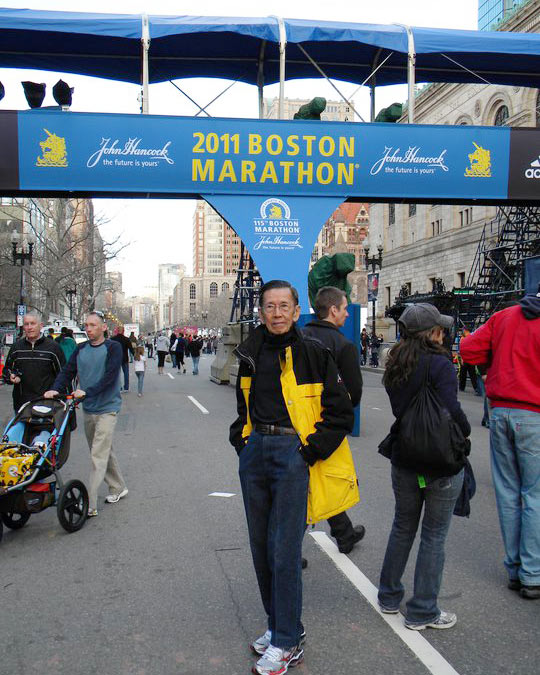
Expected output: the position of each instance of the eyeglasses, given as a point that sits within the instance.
(98, 313)
(284, 308)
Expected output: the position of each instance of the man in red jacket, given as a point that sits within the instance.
(509, 343)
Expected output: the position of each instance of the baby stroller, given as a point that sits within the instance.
(33, 449)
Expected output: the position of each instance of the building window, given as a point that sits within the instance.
(391, 214)
(460, 279)
(192, 308)
(501, 116)
(213, 290)
(225, 287)
(408, 285)
(412, 210)
(192, 292)
(431, 281)
(388, 294)
(436, 227)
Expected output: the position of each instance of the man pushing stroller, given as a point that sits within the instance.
(97, 363)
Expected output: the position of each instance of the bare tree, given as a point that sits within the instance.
(69, 254)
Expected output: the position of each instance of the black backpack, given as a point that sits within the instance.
(428, 438)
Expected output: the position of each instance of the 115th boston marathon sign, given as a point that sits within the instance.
(275, 182)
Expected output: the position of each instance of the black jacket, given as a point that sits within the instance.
(195, 346)
(344, 352)
(38, 366)
(126, 345)
(312, 365)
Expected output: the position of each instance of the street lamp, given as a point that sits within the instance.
(374, 262)
(204, 315)
(71, 292)
(21, 257)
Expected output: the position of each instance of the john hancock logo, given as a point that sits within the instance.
(275, 227)
(53, 150)
(480, 163)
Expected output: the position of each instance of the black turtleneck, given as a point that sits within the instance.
(268, 405)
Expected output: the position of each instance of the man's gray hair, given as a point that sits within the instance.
(34, 313)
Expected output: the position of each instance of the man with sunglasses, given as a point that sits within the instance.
(97, 363)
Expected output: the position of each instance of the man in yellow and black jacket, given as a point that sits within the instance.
(295, 463)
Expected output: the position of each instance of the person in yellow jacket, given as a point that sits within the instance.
(295, 464)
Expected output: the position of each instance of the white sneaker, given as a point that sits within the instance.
(112, 499)
(444, 620)
(276, 661)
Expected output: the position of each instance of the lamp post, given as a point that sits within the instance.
(21, 257)
(71, 292)
(373, 262)
(204, 315)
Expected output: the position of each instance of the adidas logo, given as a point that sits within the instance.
(534, 170)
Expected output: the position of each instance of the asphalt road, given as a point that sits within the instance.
(162, 582)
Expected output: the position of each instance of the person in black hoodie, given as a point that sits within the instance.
(420, 488)
(32, 363)
(331, 312)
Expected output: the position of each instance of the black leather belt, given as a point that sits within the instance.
(274, 430)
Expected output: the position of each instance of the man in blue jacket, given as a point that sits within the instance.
(97, 363)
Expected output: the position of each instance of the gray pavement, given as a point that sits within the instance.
(162, 582)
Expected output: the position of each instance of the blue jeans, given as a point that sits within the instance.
(140, 380)
(481, 387)
(125, 370)
(195, 364)
(515, 463)
(173, 358)
(438, 499)
(274, 480)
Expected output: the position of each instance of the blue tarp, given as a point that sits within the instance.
(109, 45)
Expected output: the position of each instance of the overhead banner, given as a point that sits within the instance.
(54, 151)
(279, 234)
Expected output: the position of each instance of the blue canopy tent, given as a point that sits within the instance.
(146, 49)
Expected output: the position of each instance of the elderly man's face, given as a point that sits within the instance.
(31, 327)
(279, 310)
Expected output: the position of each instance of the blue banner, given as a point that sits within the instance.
(151, 155)
(279, 234)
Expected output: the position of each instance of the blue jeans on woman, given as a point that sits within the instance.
(274, 479)
(438, 499)
(515, 464)
(140, 380)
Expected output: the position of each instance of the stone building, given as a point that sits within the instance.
(203, 299)
(424, 242)
(336, 111)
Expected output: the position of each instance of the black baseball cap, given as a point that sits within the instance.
(423, 316)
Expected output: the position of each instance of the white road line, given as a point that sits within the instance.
(171, 376)
(375, 408)
(222, 494)
(201, 407)
(418, 644)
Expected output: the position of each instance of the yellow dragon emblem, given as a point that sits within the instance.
(480, 161)
(276, 211)
(54, 151)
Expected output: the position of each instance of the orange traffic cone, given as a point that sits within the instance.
(1, 364)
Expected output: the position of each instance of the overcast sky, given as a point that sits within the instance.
(160, 231)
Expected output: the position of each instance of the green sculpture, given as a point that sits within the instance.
(311, 110)
(331, 271)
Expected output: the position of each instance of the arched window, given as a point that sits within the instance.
(538, 109)
(213, 290)
(224, 287)
(192, 292)
(501, 116)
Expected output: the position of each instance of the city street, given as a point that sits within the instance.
(162, 582)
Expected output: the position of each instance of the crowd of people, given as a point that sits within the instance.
(296, 394)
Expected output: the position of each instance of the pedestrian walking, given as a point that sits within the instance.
(180, 349)
(97, 363)
(509, 345)
(162, 348)
(364, 340)
(195, 347)
(172, 350)
(150, 346)
(466, 368)
(133, 339)
(66, 342)
(33, 362)
(375, 345)
(280, 432)
(139, 364)
(127, 348)
(420, 360)
(331, 312)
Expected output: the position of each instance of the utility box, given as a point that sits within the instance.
(220, 369)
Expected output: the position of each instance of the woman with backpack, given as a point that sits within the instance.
(427, 475)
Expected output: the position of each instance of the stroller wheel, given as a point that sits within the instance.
(72, 507)
(15, 520)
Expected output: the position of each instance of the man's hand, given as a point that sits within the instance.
(15, 379)
(50, 394)
(79, 393)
